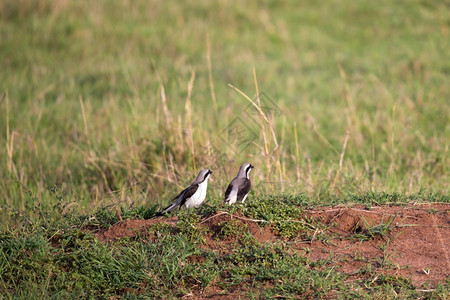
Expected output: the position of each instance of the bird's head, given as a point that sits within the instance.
(203, 175)
(245, 169)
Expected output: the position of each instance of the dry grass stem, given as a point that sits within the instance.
(189, 116)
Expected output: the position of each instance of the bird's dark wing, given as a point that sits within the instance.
(178, 196)
(188, 193)
(229, 188)
(244, 185)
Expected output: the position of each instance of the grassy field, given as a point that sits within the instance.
(119, 103)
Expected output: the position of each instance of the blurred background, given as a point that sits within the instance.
(124, 101)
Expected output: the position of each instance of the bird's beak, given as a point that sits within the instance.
(210, 172)
(251, 166)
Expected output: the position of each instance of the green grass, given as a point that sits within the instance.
(111, 103)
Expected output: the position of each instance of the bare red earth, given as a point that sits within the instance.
(417, 245)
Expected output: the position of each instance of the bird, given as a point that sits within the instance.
(193, 195)
(240, 186)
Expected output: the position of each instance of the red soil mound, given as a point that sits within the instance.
(130, 228)
(416, 244)
(408, 241)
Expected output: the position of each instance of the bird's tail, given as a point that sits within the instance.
(167, 209)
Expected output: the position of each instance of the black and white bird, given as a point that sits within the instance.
(193, 195)
(240, 186)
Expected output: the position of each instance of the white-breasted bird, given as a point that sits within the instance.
(193, 195)
(240, 186)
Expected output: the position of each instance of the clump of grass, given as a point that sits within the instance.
(273, 271)
(382, 230)
(188, 223)
(75, 264)
(233, 228)
(281, 211)
(270, 147)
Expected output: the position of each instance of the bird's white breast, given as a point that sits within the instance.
(199, 196)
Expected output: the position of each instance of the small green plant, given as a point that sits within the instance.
(367, 269)
(432, 211)
(233, 228)
(385, 260)
(281, 211)
(382, 230)
(188, 223)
